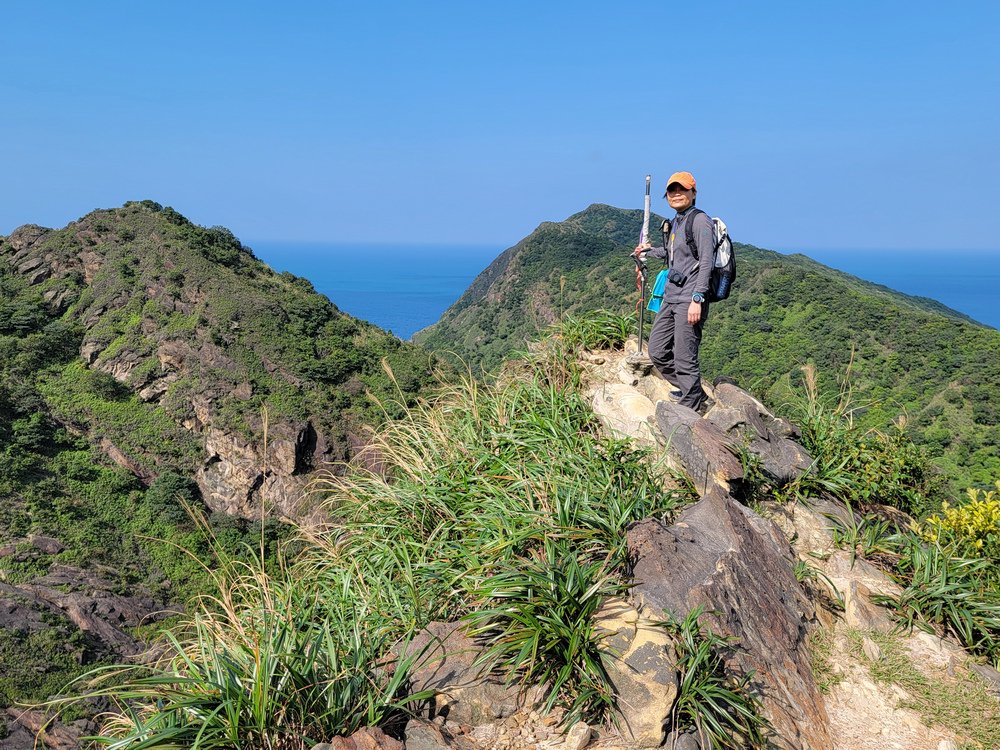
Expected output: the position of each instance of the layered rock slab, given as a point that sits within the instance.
(698, 448)
(738, 566)
(746, 419)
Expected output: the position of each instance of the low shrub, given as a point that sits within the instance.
(952, 594)
(863, 467)
(971, 528)
(539, 623)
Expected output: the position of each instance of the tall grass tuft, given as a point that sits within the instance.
(502, 502)
(268, 661)
(957, 595)
(723, 709)
(861, 467)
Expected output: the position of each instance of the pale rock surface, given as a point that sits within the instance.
(642, 665)
(624, 411)
(578, 736)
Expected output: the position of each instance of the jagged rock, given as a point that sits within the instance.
(640, 365)
(871, 649)
(17, 613)
(685, 741)
(121, 365)
(46, 544)
(425, 735)
(747, 420)
(642, 666)
(578, 736)
(446, 664)
(738, 566)
(155, 390)
(117, 455)
(698, 448)
(86, 601)
(90, 350)
(860, 612)
(369, 738)
(988, 675)
(28, 729)
(236, 477)
(624, 412)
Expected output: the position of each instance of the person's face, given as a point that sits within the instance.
(679, 197)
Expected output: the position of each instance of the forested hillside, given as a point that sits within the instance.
(903, 356)
(146, 362)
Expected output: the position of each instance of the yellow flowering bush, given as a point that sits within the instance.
(972, 527)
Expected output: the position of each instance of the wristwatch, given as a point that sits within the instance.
(698, 297)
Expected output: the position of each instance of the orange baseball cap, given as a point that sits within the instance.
(685, 179)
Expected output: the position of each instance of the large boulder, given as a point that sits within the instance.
(446, 664)
(642, 665)
(748, 421)
(738, 566)
(698, 448)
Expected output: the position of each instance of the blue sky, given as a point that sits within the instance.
(807, 124)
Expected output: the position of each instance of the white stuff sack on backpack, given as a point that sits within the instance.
(724, 273)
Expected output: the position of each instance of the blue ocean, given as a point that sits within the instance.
(404, 288)
(401, 288)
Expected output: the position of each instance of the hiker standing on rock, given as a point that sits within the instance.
(676, 334)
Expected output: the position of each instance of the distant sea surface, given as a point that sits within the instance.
(401, 288)
(404, 288)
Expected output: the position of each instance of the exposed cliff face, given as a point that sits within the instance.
(261, 379)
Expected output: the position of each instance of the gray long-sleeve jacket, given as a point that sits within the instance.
(679, 256)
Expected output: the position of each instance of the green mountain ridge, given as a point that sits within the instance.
(146, 362)
(902, 355)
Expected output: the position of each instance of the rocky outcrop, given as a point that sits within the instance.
(29, 728)
(239, 477)
(445, 663)
(697, 448)
(750, 424)
(642, 665)
(81, 600)
(721, 556)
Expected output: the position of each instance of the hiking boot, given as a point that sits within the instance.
(676, 394)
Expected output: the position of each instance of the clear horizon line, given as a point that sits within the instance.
(785, 250)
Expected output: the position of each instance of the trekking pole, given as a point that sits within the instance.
(640, 266)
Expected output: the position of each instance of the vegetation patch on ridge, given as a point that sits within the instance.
(908, 356)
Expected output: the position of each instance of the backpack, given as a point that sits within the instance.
(724, 270)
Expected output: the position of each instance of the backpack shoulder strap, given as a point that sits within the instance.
(689, 231)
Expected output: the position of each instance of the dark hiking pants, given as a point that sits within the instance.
(673, 348)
